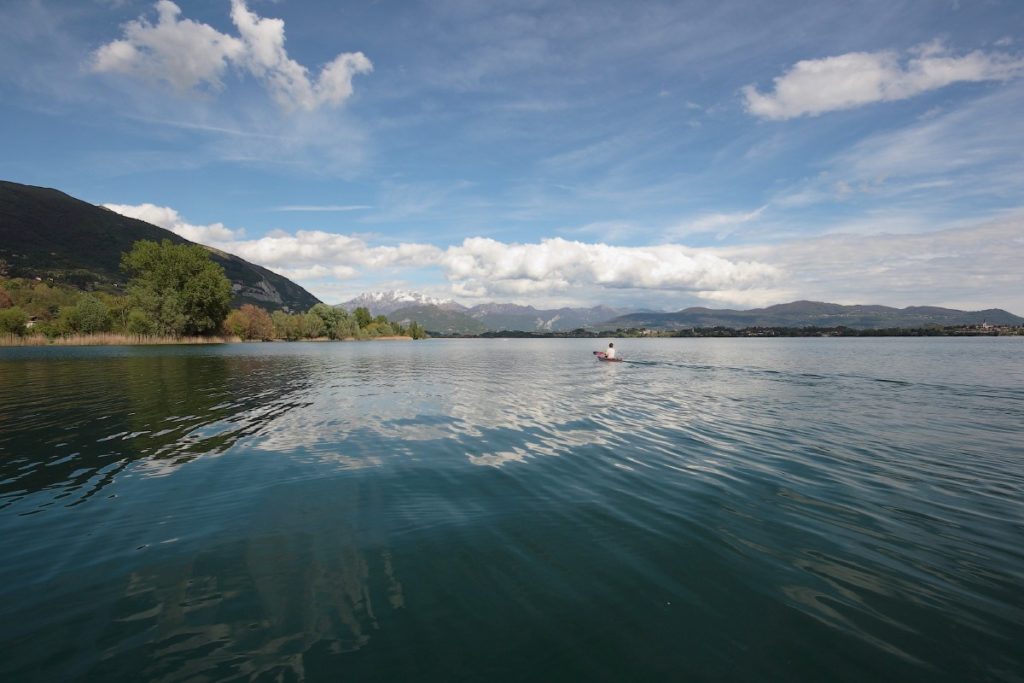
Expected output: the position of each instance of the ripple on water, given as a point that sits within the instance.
(826, 509)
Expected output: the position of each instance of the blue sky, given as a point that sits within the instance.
(661, 154)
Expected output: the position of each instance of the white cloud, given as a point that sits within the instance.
(182, 53)
(484, 267)
(288, 80)
(310, 248)
(187, 54)
(169, 219)
(965, 264)
(305, 255)
(750, 298)
(319, 272)
(816, 86)
(479, 266)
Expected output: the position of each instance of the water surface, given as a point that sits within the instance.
(758, 509)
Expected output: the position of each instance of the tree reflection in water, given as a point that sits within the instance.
(76, 423)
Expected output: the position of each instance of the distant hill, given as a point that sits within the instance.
(385, 303)
(438, 320)
(48, 234)
(449, 317)
(490, 317)
(814, 314)
(502, 317)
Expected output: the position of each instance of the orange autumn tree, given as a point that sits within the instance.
(250, 322)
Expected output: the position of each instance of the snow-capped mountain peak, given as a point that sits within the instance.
(383, 303)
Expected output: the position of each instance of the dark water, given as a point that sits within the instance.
(811, 509)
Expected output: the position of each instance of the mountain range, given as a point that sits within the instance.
(48, 234)
(502, 317)
(449, 317)
(438, 320)
(815, 314)
(384, 303)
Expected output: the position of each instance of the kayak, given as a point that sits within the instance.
(601, 355)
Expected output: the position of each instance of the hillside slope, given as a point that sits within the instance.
(501, 317)
(438, 320)
(48, 234)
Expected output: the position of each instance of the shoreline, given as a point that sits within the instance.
(105, 339)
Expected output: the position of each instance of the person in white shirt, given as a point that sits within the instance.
(610, 353)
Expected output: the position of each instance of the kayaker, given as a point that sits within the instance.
(610, 353)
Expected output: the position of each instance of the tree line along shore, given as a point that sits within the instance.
(176, 294)
(983, 330)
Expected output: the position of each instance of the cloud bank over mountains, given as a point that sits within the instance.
(815, 86)
(188, 55)
(949, 266)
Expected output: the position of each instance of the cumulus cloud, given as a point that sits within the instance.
(310, 248)
(319, 272)
(180, 52)
(289, 81)
(816, 86)
(169, 219)
(484, 267)
(188, 55)
(966, 265)
(479, 266)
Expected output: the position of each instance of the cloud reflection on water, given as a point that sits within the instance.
(332, 499)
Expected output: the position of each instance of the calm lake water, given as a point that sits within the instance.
(755, 509)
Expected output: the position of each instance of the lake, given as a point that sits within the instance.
(463, 510)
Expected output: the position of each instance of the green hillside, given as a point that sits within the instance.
(437, 320)
(47, 234)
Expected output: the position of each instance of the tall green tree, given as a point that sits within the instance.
(178, 286)
(330, 316)
(13, 320)
(119, 308)
(88, 316)
(362, 316)
(416, 331)
(311, 326)
(337, 322)
(284, 326)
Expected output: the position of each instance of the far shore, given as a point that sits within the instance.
(106, 339)
(346, 339)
